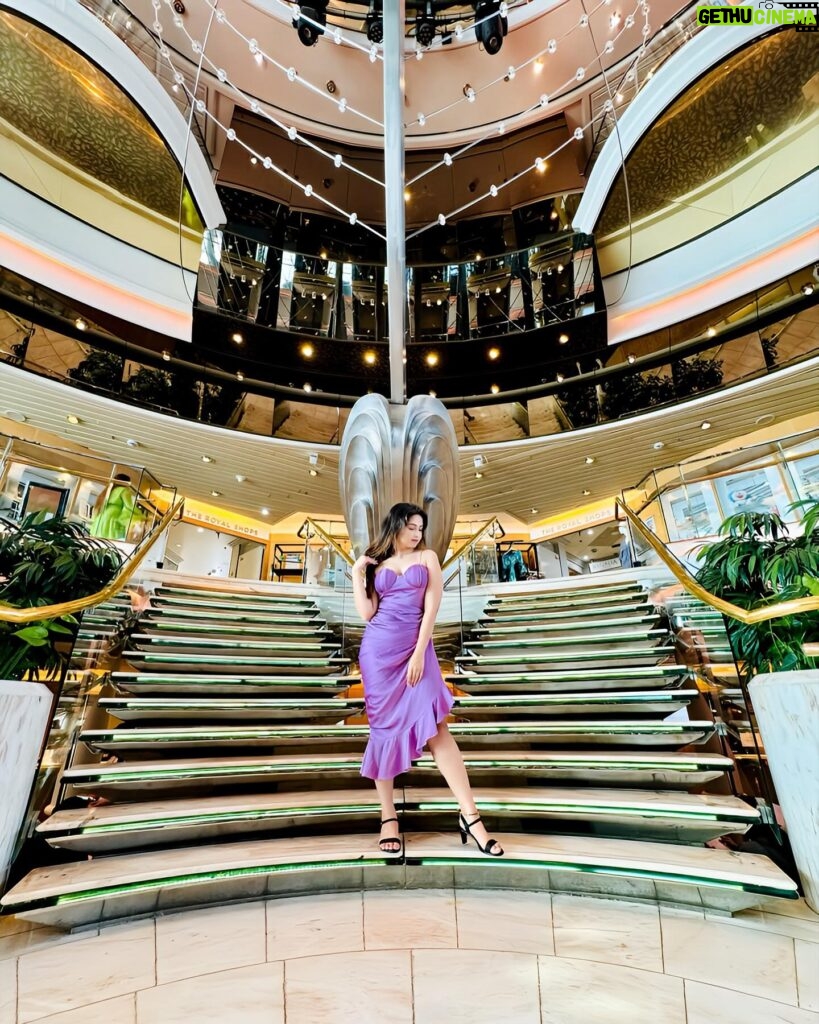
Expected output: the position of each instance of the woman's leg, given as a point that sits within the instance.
(451, 765)
(384, 788)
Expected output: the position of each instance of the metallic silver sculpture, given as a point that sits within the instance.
(392, 453)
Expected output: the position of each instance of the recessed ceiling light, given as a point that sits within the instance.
(493, 353)
(132, 443)
(240, 479)
(431, 359)
(589, 533)
(563, 339)
(479, 476)
(73, 419)
(659, 444)
(216, 494)
(764, 419)
(589, 460)
(200, 529)
(308, 387)
(265, 511)
(370, 357)
(313, 472)
(207, 458)
(494, 389)
(533, 511)
(705, 425)
(585, 493)
(80, 324)
(307, 350)
(238, 338)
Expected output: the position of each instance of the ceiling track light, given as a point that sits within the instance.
(490, 25)
(425, 25)
(375, 23)
(311, 22)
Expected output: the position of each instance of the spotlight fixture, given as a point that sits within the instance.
(479, 461)
(311, 22)
(370, 357)
(239, 375)
(313, 472)
(240, 478)
(72, 419)
(631, 358)
(490, 25)
(216, 494)
(307, 350)
(313, 458)
(585, 492)
(425, 25)
(705, 425)
(807, 289)
(559, 378)
(80, 324)
(433, 394)
(563, 339)
(237, 338)
(375, 23)
(589, 460)
(479, 476)
(494, 389)
(711, 332)
(207, 458)
(431, 358)
(308, 387)
(493, 353)
(166, 355)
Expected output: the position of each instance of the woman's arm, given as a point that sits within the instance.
(365, 606)
(432, 602)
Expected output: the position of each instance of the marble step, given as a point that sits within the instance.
(680, 816)
(585, 657)
(303, 664)
(557, 602)
(597, 732)
(192, 683)
(221, 630)
(230, 645)
(140, 779)
(575, 627)
(229, 709)
(642, 637)
(305, 619)
(240, 596)
(578, 680)
(130, 884)
(492, 617)
(513, 593)
(219, 605)
(274, 709)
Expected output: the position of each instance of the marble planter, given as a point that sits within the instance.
(787, 710)
(25, 709)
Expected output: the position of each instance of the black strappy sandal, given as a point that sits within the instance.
(492, 848)
(390, 839)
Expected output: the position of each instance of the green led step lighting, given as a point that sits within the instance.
(655, 875)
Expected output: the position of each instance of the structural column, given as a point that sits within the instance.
(394, 194)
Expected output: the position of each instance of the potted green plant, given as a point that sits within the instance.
(759, 563)
(45, 562)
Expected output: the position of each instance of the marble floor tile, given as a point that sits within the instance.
(14, 942)
(584, 992)
(469, 986)
(121, 1010)
(607, 931)
(350, 988)
(245, 995)
(408, 919)
(8, 992)
(208, 940)
(117, 961)
(709, 1003)
(807, 973)
(504, 919)
(313, 925)
(759, 963)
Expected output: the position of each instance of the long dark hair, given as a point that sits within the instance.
(384, 545)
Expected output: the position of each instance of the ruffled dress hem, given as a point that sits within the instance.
(390, 755)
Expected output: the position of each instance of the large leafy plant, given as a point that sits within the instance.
(759, 563)
(44, 562)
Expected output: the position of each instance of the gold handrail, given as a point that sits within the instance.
(683, 576)
(339, 550)
(469, 542)
(8, 613)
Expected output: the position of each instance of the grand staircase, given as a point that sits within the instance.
(230, 738)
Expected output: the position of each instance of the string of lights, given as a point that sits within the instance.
(258, 51)
(449, 158)
(290, 130)
(266, 161)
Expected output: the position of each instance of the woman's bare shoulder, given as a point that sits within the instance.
(429, 557)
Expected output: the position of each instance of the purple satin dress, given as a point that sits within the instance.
(402, 718)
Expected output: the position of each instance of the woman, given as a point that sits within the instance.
(397, 587)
